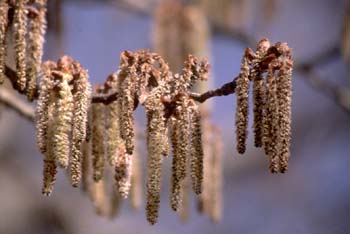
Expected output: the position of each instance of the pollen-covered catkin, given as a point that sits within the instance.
(123, 171)
(155, 156)
(136, 181)
(3, 28)
(20, 31)
(81, 97)
(258, 91)
(63, 123)
(98, 142)
(42, 108)
(180, 157)
(271, 121)
(242, 91)
(284, 95)
(36, 34)
(196, 152)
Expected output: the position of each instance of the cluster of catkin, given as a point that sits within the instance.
(270, 70)
(28, 33)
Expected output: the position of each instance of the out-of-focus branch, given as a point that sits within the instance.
(12, 101)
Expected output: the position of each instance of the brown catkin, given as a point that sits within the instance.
(36, 37)
(63, 123)
(3, 28)
(258, 92)
(196, 149)
(136, 181)
(50, 167)
(86, 166)
(99, 197)
(20, 31)
(115, 204)
(284, 95)
(123, 171)
(156, 125)
(184, 205)
(271, 121)
(81, 97)
(242, 91)
(182, 132)
(42, 108)
(98, 142)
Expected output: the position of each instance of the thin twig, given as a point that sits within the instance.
(12, 101)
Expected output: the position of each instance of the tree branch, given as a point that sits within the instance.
(22, 108)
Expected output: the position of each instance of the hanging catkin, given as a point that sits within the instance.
(81, 105)
(284, 95)
(155, 111)
(123, 171)
(3, 28)
(63, 123)
(136, 181)
(50, 167)
(258, 91)
(242, 91)
(181, 130)
(41, 114)
(271, 121)
(98, 142)
(36, 34)
(196, 151)
(20, 31)
(113, 139)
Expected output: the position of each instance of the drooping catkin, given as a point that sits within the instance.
(50, 167)
(242, 91)
(36, 37)
(63, 123)
(3, 28)
(271, 121)
(81, 97)
(136, 181)
(99, 197)
(42, 109)
(115, 204)
(181, 154)
(156, 125)
(196, 151)
(258, 91)
(185, 200)
(123, 171)
(20, 31)
(284, 95)
(98, 142)
(113, 139)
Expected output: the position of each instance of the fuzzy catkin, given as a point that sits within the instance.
(242, 91)
(3, 28)
(258, 92)
(98, 142)
(63, 124)
(155, 157)
(36, 34)
(284, 95)
(20, 31)
(42, 109)
(271, 121)
(81, 105)
(112, 132)
(123, 172)
(196, 152)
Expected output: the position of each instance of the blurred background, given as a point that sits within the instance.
(312, 197)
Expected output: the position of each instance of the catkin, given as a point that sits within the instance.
(284, 95)
(20, 31)
(3, 28)
(258, 92)
(196, 149)
(242, 91)
(81, 105)
(42, 109)
(123, 171)
(155, 156)
(271, 121)
(98, 142)
(37, 28)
